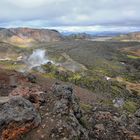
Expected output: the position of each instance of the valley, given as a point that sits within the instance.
(95, 84)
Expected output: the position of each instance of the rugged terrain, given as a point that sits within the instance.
(69, 89)
(34, 107)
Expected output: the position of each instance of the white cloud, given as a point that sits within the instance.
(71, 13)
(96, 28)
(26, 3)
(92, 29)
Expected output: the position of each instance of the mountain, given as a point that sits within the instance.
(129, 37)
(78, 36)
(28, 35)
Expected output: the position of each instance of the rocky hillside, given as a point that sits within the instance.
(28, 35)
(129, 37)
(79, 36)
(36, 108)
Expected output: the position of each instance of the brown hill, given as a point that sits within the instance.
(28, 35)
(129, 37)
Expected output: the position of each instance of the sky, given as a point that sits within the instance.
(72, 15)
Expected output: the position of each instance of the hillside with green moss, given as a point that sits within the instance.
(105, 77)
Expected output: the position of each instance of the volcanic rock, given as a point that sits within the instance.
(33, 94)
(67, 105)
(17, 117)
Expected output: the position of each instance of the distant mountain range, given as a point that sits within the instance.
(26, 36)
(96, 34)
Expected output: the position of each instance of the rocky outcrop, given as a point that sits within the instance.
(56, 113)
(61, 116)
(67, 104)
(17, 116)
(33, 94)
(60, 113)
(106, 123)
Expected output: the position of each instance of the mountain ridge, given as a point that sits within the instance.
(134, 36)
(28, 35)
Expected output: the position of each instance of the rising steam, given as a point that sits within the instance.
(37, 58)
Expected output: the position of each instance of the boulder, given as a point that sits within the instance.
(17, 117)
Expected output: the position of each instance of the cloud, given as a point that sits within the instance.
(70, 13)
(26, 3)
(89, 29)
(97, 28)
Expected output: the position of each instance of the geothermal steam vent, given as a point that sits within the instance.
(37, 58)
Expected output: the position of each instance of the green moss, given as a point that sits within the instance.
(22, 46)
(130, 106)
(49, 75)
(131, 77)
(85, 107)
(90, 80)
(133, 57)
(116, 90)
(107, 69)
(11, 65)
(49, 68)
(108, 102)
(75, 78)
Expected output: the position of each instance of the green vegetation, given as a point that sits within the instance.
(11, 65)
(133, 57)
(92, 81)
(130, 106)
(86, 107)
(96, 82)
(101, 59)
